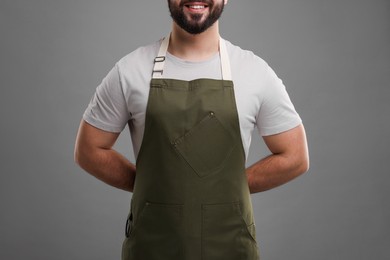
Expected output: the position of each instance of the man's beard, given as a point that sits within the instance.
(193, 24)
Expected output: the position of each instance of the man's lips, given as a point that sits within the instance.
(196, 6)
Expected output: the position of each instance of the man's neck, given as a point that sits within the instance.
(194, 47)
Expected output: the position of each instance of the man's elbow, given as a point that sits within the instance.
(79, 156)
(76, 156)
(303, 165)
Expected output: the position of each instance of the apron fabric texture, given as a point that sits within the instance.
(191, 199)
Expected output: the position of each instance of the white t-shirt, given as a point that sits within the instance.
(261, 97)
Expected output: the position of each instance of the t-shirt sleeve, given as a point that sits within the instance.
(277, 113)
(107, 109)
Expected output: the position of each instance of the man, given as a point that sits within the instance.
(191, 101)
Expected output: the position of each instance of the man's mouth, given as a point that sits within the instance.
(196, 7)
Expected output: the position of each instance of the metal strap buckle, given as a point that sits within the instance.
(158, 71)
(159, 59)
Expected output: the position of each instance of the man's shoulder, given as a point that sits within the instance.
(246, 63)
(141, 56)
(244, 56)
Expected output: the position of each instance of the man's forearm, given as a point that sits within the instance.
(110, 167)
(273, 171)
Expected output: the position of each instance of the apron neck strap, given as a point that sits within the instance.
(159, 61)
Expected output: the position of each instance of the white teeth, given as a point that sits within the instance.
(197, 6)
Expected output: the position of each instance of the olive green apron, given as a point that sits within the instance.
(191, 199)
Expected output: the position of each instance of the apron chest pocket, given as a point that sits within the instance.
(206, 146)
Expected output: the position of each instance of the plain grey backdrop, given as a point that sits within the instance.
(333, 56)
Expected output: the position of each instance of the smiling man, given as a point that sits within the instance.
(191, 101)
(191, 16)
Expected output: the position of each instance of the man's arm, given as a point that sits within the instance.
(289, 159)
(94, 153)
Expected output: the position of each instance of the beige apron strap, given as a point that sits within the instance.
(159, 61)
(225, 63)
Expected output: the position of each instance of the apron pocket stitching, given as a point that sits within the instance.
(223, 227)
(248, 227)
(203, 162)
(158, 229)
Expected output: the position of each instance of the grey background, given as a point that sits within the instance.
(333, 56)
